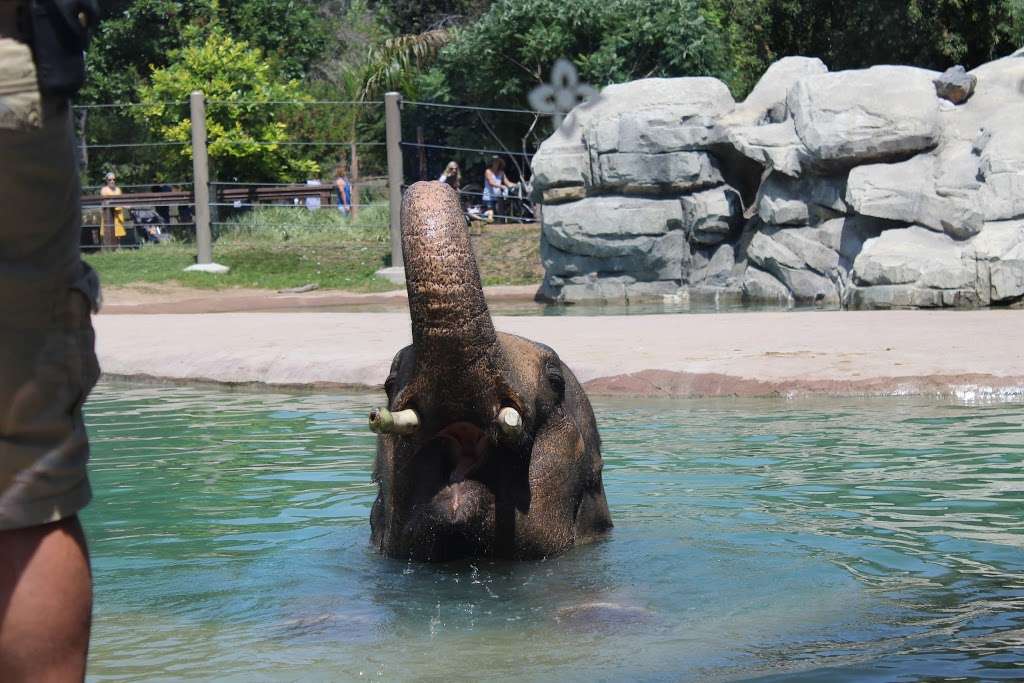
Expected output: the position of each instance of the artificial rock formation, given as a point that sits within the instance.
(876, 188)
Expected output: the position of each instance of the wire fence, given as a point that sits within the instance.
(323, 163)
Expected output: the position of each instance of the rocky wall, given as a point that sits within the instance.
(876, 188)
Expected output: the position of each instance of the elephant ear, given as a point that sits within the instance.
(567, 502)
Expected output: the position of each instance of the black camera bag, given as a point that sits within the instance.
(60, 33)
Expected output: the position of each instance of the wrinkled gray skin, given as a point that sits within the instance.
(459, 487)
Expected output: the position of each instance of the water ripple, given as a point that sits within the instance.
(798, 540)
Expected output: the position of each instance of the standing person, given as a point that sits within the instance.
(47, 362)
(451, 175)
(343, 189)
(495, 188)
(110, 189)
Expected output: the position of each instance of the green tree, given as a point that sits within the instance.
(243, 131)
(511, 48)
(496, 61)
(928, 33)
(290, 32)
(407, 17)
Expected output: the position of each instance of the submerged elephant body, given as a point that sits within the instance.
(488, 446)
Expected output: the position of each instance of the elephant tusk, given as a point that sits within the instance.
(383, 421)
(510, 422)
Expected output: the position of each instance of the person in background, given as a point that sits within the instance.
(495, 188)
(343, 189)
(110, 189)
(47, 358)
(451, 175)
(162, 210)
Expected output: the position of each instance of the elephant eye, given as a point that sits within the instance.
(554, 375)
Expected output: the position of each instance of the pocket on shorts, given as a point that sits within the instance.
(83, 366)
(21, 106)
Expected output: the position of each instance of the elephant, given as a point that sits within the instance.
(488, 446)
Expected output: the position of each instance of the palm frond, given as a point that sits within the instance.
(391, 63)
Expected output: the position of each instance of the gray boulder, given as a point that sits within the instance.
(1002, 169)
(766, 103)
(913, 256)
(770, 255)
(710, 216)
(714, 269)
(997, 253)
(760, 287)
(673, 172)
(955, 85)
(875, 114)
(560, 164)
(789, 268)
(656, 132)
(775, 146)
(869, 187)
(811, 252)
(609, 218)
(908, 296)
(810, 199)
(906, 191)
(616, 119)
(563, 159)
(1006, 276)
(644, 257)
(846, 235)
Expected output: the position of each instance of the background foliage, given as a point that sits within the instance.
(482, 52)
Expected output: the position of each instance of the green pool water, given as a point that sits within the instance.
(862, 540)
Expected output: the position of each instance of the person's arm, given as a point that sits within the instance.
(491, 180)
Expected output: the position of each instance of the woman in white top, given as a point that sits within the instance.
(495, 185)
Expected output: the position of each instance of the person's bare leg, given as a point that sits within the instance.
(45, 603)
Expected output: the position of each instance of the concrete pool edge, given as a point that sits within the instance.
(879, 353)
(670, 384)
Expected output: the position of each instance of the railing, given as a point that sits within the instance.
(204, 198)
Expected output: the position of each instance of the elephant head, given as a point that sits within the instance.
(488, 446)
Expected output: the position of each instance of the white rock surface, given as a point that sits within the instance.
(876, 114)
(913, 255)
(712, 214)
(906, 191)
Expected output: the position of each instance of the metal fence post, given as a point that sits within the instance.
(393, 130)
(353, 172)
(200, 177)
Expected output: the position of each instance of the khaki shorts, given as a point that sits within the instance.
(47, 361)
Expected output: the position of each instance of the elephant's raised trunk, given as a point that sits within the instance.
(451, 325)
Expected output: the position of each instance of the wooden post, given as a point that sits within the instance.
(354, 177)
(107, 238)
(200, 178)
(393, 134)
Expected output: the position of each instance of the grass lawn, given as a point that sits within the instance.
(271, 255)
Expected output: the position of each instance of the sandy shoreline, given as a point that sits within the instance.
(845, 353)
